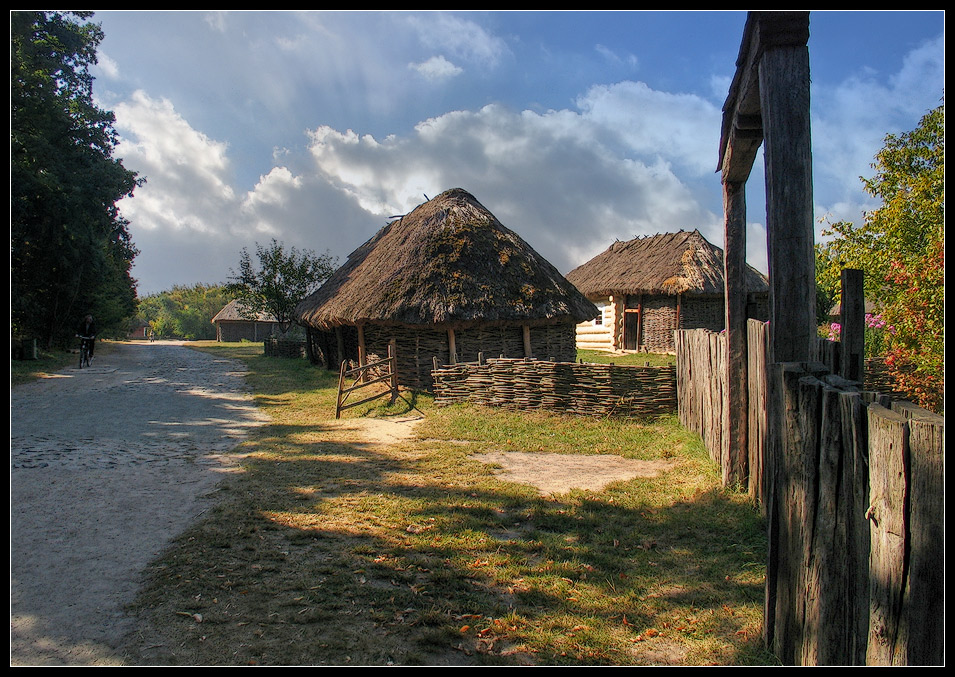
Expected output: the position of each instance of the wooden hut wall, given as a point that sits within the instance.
(660, 318)
(659, 322)
(594, 335)
(416, 348)
(230, 331)
(702, 312)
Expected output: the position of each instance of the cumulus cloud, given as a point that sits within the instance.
(547, 176)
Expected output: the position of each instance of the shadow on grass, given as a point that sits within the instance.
(330, 550)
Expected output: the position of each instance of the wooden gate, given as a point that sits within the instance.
(365, 376)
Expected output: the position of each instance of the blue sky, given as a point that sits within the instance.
(573, 128)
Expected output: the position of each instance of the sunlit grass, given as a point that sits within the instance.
(330, 550)
(623, 359)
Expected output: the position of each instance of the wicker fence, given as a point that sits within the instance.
(851, 483)
(274, 347)
(584, 389)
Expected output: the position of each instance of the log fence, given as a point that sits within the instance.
(851, 484)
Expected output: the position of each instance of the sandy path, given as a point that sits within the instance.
(107, 465)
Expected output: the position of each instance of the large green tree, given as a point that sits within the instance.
(284, 276)
(71, 251)
(901, 249)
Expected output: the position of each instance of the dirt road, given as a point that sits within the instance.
(107, 465)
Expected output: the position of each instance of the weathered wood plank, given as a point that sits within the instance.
(923, 618)
(888, 432)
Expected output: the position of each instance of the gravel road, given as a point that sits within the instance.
(107, 465)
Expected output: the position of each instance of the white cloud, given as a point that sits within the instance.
(107, 65)
(544, 175)
(851, 119)
(460, 37)
(216, 20)
(436, 68)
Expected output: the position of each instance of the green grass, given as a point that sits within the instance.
(640, 359)
(49, 362)
(328, 550)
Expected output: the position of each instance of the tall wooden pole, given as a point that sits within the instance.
(736, 410)
(784, 102)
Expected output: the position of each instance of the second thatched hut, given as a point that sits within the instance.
(650, 286)
(449, 281)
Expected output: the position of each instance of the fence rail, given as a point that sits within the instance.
(366, 376)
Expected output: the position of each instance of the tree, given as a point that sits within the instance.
(184, 311)
(901, 249)
(283, 279)
(70, 250)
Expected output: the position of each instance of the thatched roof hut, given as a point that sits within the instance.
(447, 280)
(232, 325)
(649, 286)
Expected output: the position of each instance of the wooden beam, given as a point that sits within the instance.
(784, 96)
(736, 410)
(527, 341)
(452, 349)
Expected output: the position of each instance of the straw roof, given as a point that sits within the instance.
(230, 313)
(671, 263)
(450, 261)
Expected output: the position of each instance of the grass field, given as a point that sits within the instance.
(326, 550)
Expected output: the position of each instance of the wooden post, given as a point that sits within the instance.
(639, 322)
(527, 341)
(362, 355)
(784, 102)
(736, 407)
(341, 345)
(888, 460)
(393, 365)
(452, 350)
(852, 334)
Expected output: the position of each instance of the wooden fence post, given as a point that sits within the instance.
(888, 497)
(852, 319)
(923, 612)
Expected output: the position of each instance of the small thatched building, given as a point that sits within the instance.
(650, 286)
(449, 281)
(232, 325)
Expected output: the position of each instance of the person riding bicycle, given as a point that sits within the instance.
(87, 333)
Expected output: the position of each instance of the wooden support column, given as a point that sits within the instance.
(340, 342)
(736, 409)
(784, 102)
(362, 353)
(852, 334)
(452, 349)
(527, 341)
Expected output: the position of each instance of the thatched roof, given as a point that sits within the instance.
(230, 313)
(450, 261)
(672, 263)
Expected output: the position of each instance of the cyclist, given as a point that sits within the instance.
(87, 334)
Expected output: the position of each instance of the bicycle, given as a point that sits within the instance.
(85, 357)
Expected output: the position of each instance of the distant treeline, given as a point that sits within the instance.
(184, 312)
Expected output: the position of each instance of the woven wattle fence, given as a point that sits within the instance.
(569, 387)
